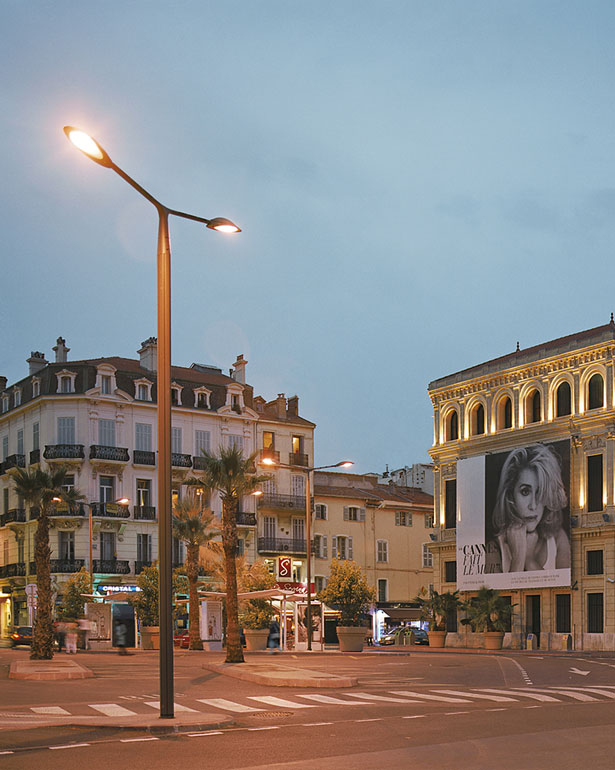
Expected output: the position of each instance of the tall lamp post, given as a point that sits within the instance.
(308, 527)
(95, 152)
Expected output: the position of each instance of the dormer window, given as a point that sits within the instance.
(36, 387)
(66, 381)
(202, 398)
(17, 397)
(5, 404)
(143, 390)
(105, 380)
(105, 384)
(234, 397)
(176, 395)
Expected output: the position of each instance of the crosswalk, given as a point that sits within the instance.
(258, 704)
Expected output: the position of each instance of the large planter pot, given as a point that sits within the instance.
(150, 637)
(256, 638)
(437, 638)
(493, 640)
(351, 638)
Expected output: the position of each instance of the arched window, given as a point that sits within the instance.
(478, 420)
(505, 413)
(453, 427)
(595, 392)
(563, 401)
(533, 407)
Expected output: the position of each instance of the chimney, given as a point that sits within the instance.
(36, 361)
(3, 383)
(148, 354)
(280, 405)
(293, 406)
(238, 372)
(61, 350)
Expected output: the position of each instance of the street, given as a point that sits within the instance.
(450, 709)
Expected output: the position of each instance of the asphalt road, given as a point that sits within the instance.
(443, 710)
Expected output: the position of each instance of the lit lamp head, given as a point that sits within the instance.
(123, 501)
(268, 461)
(87, 145)
(223, 225)
(345, 464)
(257, 493)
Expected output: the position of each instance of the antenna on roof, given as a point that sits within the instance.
(611, 316)
(517, 346)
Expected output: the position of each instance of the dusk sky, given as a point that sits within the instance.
(419, 184)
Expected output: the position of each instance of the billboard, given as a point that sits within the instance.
(513, 518)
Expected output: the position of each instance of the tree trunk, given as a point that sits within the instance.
(42, 636)
(234, 650)
(192, 572)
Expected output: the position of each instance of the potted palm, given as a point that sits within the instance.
(145, 602)
(435, 609)
(257, 613)
(349, 592)
(490, 613)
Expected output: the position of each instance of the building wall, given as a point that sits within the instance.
(590, 431)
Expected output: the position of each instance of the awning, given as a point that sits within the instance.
(402, 613)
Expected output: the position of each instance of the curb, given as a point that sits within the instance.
(52, 670)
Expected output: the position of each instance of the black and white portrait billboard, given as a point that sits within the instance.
(513, 518)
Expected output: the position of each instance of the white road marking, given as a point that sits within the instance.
(137, 740)
(112, 710)
(270, 700)
(422, 696)
(415, 716)
(257, 729)
(229, 705)
(155, 704)
(69, 746)
(374, 719)
(315, 724)
(598, 691)
(49, 710)
(561, 691)
(330, 700)
(210, 732)
(381, 698)
(578, 671)
(497, 698)
(527, 694)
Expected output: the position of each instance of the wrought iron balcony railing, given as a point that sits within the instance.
(281, 545)
(66, 566)
(144, 513)
(35, 456)
(14, 461)
(180, 460)
(281, 502)
(16, 514)
(245, 519)
(112, 566)
(110, 510)
(140, 566)
(64, 509)
(141, 457)
(198, 463)
(64, 452)
(13, 570)
(299, 459)
(111, 453)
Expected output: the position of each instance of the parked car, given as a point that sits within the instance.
(402, 636)
(21, 635)
(181, 638)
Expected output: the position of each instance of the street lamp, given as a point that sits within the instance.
(308, 527)
(95, 152)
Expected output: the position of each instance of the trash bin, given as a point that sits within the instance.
(567, 642)
(531, 642)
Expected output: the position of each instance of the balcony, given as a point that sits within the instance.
(66, 566)
(281, 545)
(598, 519)
(115, 454)
(64, 509)
(14, 461)
(141, 457)
(181, 461)
(144, 513)
(16, 514)
(282, 502)
(140, 566)
(112, 566)
(35, 457)
(13, 570)
(270, 454)
(110, 510)
(198, 463)
(245, 519)
(64, 452)
(299, 459)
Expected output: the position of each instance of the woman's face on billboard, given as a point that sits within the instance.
(525, 494)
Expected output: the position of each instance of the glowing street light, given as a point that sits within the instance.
(92, 149)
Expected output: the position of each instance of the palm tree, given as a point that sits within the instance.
(233, 477)
(42, 489)
(196, 527)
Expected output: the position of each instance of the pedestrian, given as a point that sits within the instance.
(273, 640)
(60, 632)
(71, 638)
(84, 629)
(121, 633)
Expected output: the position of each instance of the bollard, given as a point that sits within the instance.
(531, 642)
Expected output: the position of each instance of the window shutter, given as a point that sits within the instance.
(349, 541)
(334, 546)
(346, 513)
(323, 542)
(397, 519)
(361, 514)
